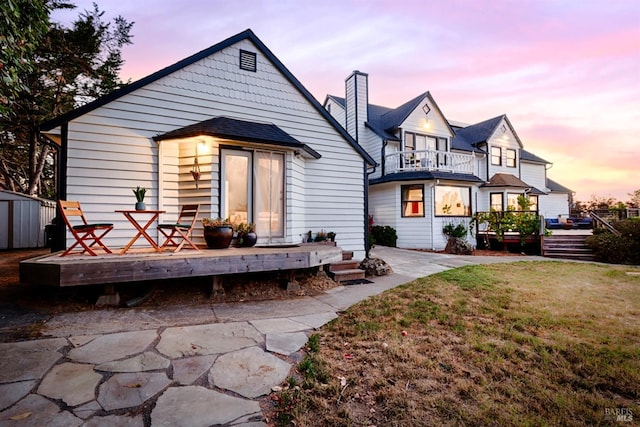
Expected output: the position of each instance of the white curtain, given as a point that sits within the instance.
(269, 194)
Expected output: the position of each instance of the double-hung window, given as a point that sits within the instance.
(496, 156)
(511, 158)
(497, 201)
(412, 200)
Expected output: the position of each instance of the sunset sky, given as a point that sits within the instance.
(565, 72)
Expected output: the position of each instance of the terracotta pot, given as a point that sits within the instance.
(249, 239)
(218, 237)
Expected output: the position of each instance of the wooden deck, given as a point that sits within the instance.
(140, 265)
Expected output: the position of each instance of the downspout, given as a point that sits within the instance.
(367, 244)
(59, 242)
(383, 151)
(433, 213)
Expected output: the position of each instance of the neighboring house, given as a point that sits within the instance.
(263, 149)
(433, 171)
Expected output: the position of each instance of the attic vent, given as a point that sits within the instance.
(247, 61)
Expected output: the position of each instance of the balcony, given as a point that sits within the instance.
(429, 160)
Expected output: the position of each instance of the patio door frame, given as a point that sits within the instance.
(252, 186)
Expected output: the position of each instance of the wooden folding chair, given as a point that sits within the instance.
(179, 233)
(84, 232)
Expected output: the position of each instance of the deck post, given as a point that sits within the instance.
(292, 284)
(217, 288)
(110, 297)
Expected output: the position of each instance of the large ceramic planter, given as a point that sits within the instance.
(248, 239)
(218, 237)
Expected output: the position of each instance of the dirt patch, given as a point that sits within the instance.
(478, 252)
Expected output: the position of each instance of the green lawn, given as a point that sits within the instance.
(530, 343)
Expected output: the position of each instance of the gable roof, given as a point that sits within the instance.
(384, 120)
(245, 35)
(241, 130)
(468, 138)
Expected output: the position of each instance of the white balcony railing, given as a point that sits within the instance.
(429, 160)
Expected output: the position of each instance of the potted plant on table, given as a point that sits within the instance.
(217, 232)
(140, 193)
(247, 236)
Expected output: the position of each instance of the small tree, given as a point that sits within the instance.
(65, 68)
(634, 199)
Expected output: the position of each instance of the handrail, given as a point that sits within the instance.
(429, 160)
(598, 219)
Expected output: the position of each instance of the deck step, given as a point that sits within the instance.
(344, 265)
(567, 247)
(347, 255)
(345, 275)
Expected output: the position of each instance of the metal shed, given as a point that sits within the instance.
(23, 219)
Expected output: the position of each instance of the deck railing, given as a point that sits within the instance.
(602, 222)
(429, 160)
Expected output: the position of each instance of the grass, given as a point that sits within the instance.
(545, 343)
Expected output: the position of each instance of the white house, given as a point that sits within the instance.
(262, 148)
(433, 171)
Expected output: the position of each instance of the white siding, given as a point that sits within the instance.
(384, 204)
(111, 151)
(432, 124)
(534, 174)
(505, 139)
(372, 144)
(337, 111)
(554, 204)
(415, 232)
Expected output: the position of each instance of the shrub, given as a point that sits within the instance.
(623, 249)
(452, 230)
(385, 236)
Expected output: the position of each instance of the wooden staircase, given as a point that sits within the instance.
(567, 247)
(346, 270)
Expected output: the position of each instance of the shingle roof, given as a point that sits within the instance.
(554, 187)
(469, 137)
(530, 157)
(384, 120)
(506, 180)
(241, 130)
(512, 181)
(245, 35)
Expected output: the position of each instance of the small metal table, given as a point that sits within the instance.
(142, 229)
